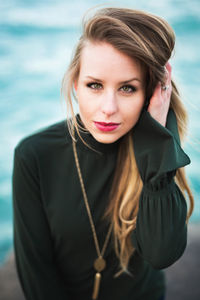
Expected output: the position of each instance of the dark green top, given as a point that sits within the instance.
(53, 241)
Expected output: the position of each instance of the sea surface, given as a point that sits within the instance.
(36, 43)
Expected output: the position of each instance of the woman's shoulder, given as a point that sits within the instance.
(46, 139)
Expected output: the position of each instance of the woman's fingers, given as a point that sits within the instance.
(167, 86)
(160, 100)
(157, 92)
(168, 67)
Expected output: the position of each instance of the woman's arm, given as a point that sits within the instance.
(35, 260)
(161, 233)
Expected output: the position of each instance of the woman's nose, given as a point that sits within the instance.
(109, 104)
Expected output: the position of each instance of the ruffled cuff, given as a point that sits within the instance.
(157, 148)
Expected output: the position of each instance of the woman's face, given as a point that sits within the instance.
(110, 91)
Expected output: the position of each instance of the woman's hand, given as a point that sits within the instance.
(160, 100)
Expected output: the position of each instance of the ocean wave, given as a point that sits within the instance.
(53, 14)
(6, 232)
(64, 13)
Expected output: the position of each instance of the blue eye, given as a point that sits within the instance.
(128, 89)
(94, 85)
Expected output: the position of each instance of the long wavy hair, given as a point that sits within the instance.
(150, 40)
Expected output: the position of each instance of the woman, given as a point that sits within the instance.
(98, 204)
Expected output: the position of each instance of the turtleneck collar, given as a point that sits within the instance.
(92, 142)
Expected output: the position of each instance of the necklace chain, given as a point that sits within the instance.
(99, 253)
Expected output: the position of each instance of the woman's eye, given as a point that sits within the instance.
(128, 89)
(94, 85)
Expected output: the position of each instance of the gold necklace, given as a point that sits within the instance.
(99, 263)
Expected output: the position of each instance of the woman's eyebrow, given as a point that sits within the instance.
(95, 79)
(122, 82)
(132, 79)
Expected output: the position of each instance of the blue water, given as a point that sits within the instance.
(36, 41)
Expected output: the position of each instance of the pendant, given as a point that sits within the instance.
(97, 281)
(99, 264)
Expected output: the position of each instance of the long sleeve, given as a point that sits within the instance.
(160, 236)
(32, 240)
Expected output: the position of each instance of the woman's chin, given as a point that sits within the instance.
(106, 138)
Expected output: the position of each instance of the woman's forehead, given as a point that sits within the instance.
(102, 60)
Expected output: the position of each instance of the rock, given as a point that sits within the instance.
(183, 277)
(9, 284)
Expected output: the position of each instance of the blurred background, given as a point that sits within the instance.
(36, 43)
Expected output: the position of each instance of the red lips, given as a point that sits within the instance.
(103, 126)
(107, 124)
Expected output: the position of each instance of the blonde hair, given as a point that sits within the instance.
(150, 40)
